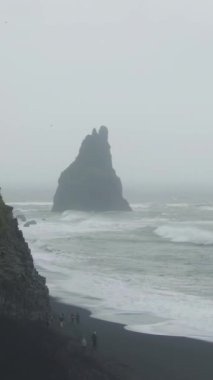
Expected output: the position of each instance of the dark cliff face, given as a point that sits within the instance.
(90, 182)
(23, 293)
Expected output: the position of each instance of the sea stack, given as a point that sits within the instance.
(90, 183)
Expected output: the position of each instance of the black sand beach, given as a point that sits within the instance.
(141, 356)
(34, 351)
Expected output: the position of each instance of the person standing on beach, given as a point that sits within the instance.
(77, 318)
(72, 318)
(84, 344)
(61, 320)
(94, 340)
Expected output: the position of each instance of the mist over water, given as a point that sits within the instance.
(134, 192)
(150, 269)
(144, 69)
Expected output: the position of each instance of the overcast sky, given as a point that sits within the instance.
(141, 67)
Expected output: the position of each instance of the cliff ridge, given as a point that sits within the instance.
(23, 293)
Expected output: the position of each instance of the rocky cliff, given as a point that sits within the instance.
(90, 183)
(23, 293)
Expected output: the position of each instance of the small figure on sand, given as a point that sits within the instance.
(47, 320)
(51, 319)
(84, 344)
(94, 340)
(72, 318)
(77, 318)
(61, 320)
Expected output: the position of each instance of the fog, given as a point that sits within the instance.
(142, 68)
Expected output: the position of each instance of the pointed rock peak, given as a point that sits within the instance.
(90, 183)
(103, 133)
(94, 132)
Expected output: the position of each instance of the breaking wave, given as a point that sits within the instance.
(121, 267)
(180, 234)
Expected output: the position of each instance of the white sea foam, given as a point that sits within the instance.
(26, 204)
(110, 221)
(206, 208)
(141, 206)
(184, 234)
(140, 307)
(46, 230)
(179, 205)
(172, 328)
(92, 260)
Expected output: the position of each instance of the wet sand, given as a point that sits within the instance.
(141, 356)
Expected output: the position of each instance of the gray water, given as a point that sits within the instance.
(150, 269)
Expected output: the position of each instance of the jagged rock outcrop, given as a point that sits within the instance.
(30, 223)
(23, 293)
(21, 217)
(90, 183)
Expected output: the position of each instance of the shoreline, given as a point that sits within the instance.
(139, 355)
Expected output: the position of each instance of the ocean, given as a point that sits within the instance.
(150, 269)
